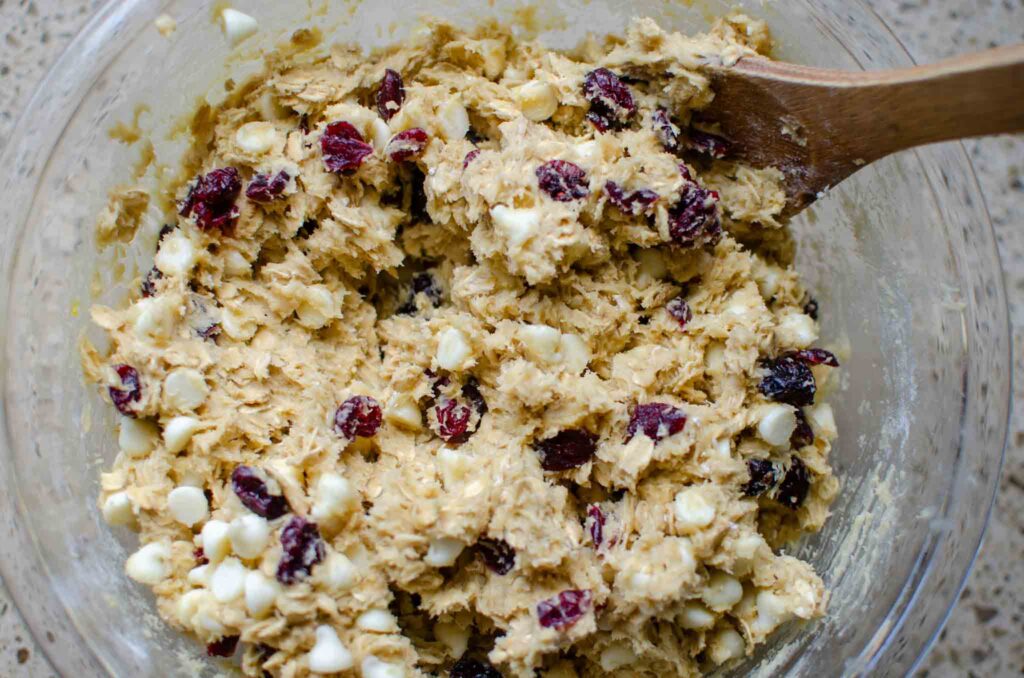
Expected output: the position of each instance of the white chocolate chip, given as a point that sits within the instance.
(193, 611)
(726, 645)
(328, 654)
(200, 575)
(777, 424)
(695, 616)
(335, 497)
(822, 421)
(403, 411)
(516, 225)
(377, 621)
(154, 316)
(149, 565)
(541, 342)
(588, 153)
(574, 352)
(375, 668)
(165, 25)
(453, 119)
(237, 324)
(452, 349)
(257, 137)
(235, 263)
(722, 591)
(455, 466)
(771, 612)
(616, 656)
(538, 100)
(693, 510)
(188, 505)
(454, 637)
(118, 509)
(216, 543)
(443, 552)
(137, 437)
(177, 255)
(249, 535)
(260, 593)
(178, 432)
(236, 25)
(339, 572)
(185, 389)
(796, 329)
(318, 307)
(493, 52)
(228, 580)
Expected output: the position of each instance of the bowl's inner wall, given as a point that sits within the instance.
(878, 254)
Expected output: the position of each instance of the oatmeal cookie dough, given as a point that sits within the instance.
(471, 357)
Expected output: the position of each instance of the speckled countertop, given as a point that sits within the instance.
(985, 635)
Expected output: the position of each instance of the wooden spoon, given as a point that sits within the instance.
(819, 126)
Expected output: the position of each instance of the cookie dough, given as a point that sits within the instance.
(471, 357)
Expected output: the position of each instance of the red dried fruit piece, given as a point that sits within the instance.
(656, 421)
(634, 202)
(788, 381)
(815, 356)
(795, 485)
(390, 94)
(611, 102)
(562, 180)
(210, 332)
(763, 476)
(222, 647)
(149, 282)
(407, 145)
(358, 417)
(453, 420)
(131, 393)
(343, 148)
(212, 199)
(693, 221)
(438, 382)
(595, 525)
(811, 308)
(303, 548)
(265, 189)
(680, 310)
(200, 555)
(666, 131)
(497, 555)
(473, 668)
(470, 157)
(707, 143)
(254, 495)
(802, 433)
(471, 392)
(567, 449)
(565, 609)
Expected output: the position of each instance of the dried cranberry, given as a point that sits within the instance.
(149, 282)
(407, 145)
(343, 148)
(788, 381)
(263, 188)
(680, 310)
(471, 392)
(611, 102)
(802, 434)
(390, 94)
(303, 548)
(470, 157)
(131, 393)
(453, 420)
(222, 647)
(655, 420)
(811, 308)
(473, 668)
(567, 449)
(212, 199)
(815, 356)
(595, 525)
(600, 122)
(358, 417)
(438, 382)
(763, 476)
(562, 180)
(693, 221)
(254, 495)
(795, 485)
(497, 554)
(200, 555)
(563, 610)
(666, 131)
(634, 202)
(707, 143)
(210, 332)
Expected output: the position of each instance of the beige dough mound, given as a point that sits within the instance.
(471, 358)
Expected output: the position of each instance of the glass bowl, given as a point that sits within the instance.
(901, 257)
